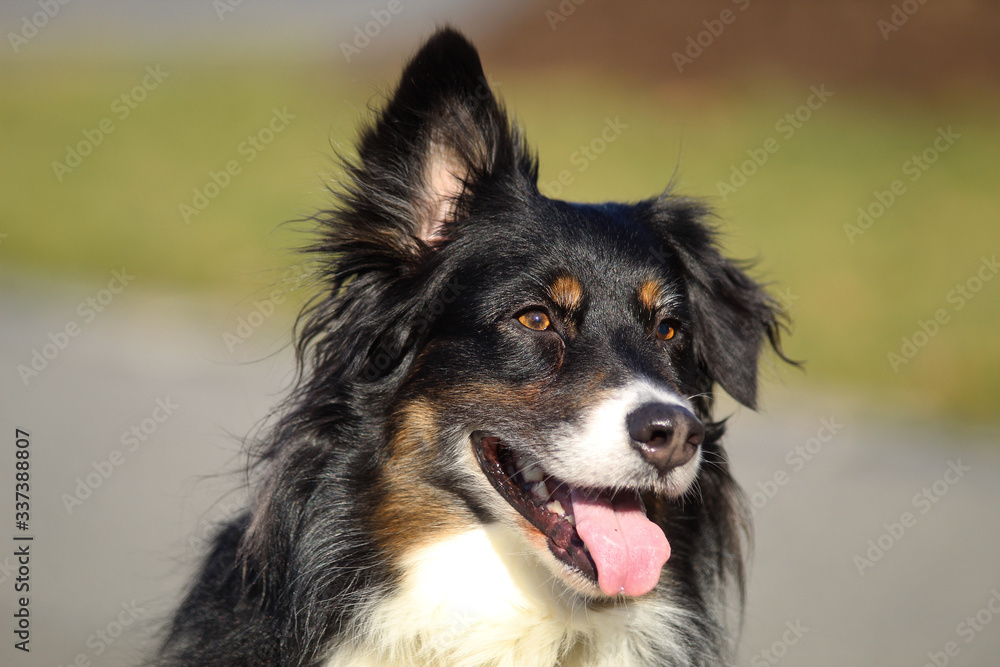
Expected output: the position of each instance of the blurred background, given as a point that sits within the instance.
(156, 159)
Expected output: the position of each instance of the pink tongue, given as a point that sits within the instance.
(628, 549)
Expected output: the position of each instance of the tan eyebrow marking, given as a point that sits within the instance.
(567, 293)
(649, 294)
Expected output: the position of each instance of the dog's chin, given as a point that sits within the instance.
(545, 505)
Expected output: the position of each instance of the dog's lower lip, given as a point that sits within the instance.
(563, 541)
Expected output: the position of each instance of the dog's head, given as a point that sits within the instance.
(541, 364)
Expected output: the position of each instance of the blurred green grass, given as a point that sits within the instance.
(851, 303)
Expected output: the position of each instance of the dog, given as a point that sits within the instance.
(501, 450)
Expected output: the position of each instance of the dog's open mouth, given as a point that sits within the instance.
(605, 536)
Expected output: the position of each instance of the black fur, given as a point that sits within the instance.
(283, 582)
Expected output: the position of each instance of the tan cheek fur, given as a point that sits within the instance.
(412, 512)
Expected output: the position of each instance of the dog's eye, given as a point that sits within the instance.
(535, 320)
(666, 330)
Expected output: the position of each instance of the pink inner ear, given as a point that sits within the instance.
(444, 178)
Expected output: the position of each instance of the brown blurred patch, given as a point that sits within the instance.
(940, 45)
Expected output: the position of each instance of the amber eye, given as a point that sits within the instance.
(535, 320)
(665, 331)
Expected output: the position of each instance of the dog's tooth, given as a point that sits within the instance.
(542, 490)
(571, 519)
(556, 508)
(532, 473)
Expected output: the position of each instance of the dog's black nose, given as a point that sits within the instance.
(668, 436)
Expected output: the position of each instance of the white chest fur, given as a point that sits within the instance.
(479, 600)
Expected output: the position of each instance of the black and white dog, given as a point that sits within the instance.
(501, 450)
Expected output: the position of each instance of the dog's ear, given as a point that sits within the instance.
(732, 314)
(441, 144)
(441, 134)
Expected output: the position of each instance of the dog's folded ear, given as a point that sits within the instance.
(732, 314)
(441, 134)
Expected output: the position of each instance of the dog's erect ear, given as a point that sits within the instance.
(733, 315)
(441, 144)
(441, 133)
